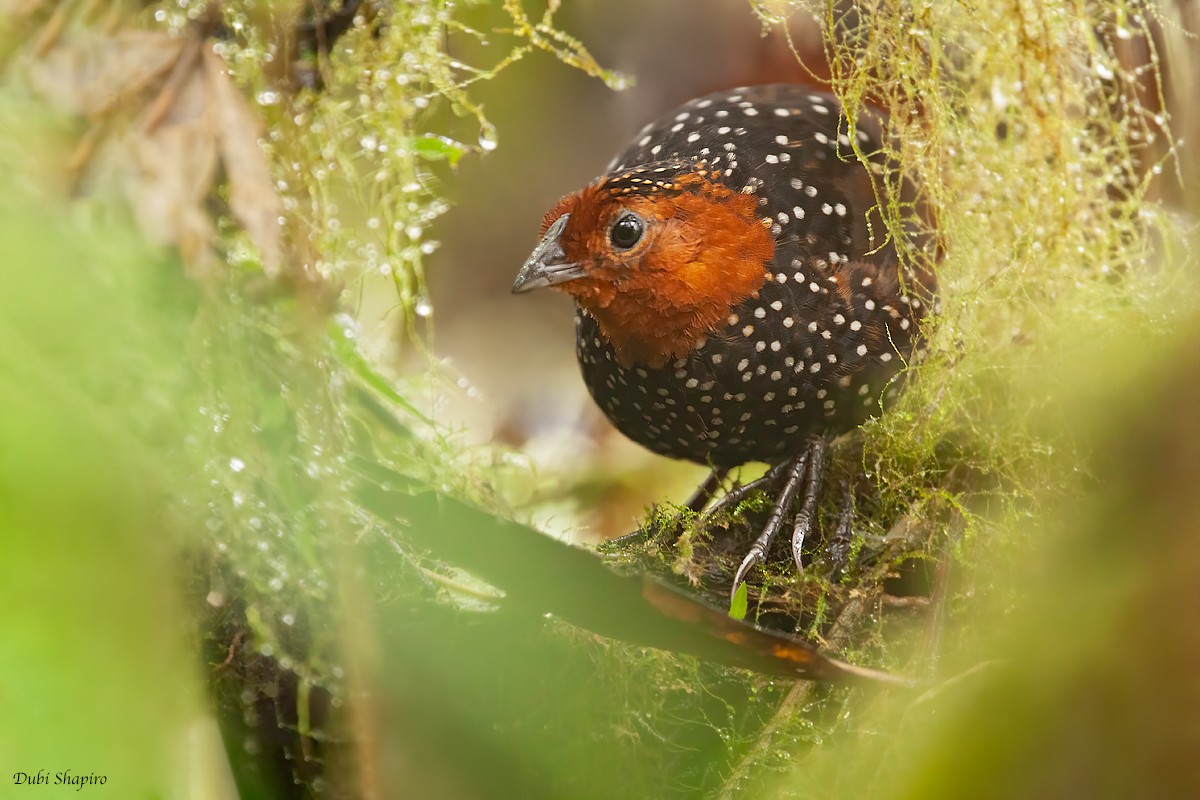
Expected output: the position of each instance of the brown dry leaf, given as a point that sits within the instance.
(185, 116)
(252, 196)
(90, 73)
(173, 159)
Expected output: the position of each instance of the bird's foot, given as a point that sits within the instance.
(696, 505)
(804, 473)
(707, 489)
(838, 548)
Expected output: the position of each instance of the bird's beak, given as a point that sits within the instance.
(548, 265)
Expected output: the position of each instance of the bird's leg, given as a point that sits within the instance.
(735, 496)
(707, 489)
(699, 500)
(839, 545)
(808, 503)
(758, 550)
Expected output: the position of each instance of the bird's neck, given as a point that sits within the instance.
(654, 316)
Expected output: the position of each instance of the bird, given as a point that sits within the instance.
(738, 298)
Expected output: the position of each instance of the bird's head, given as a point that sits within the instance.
(657, 254)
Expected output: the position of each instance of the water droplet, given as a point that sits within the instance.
(236, 464)
(487, 138)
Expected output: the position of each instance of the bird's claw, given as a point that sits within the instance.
(804, 475)
(754, 557)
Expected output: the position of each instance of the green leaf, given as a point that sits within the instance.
(740, 602)
(436, 148)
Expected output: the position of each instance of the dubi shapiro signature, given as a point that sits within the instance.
(65, 778)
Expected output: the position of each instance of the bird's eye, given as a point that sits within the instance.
(627, 231)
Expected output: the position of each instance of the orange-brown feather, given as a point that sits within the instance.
(704, 251)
